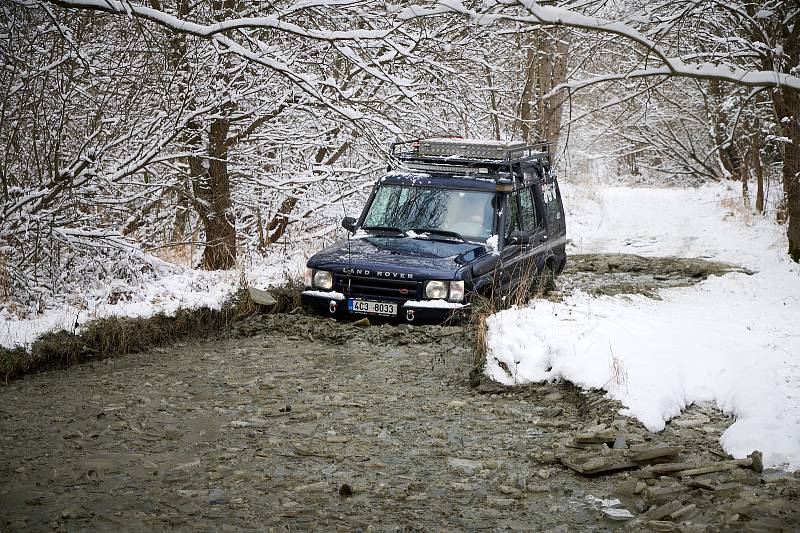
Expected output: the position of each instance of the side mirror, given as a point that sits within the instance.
(349, 223)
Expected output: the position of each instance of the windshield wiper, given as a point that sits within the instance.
(442, 232)
(398, 231)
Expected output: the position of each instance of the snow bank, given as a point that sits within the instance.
(734, 340)
(184, 289)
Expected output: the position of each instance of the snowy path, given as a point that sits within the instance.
(734, 340)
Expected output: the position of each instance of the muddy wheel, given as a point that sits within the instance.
(545, 280)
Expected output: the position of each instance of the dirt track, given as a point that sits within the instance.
(301, 423)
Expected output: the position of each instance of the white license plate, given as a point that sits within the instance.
(371, 308)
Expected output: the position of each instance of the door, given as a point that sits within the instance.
(554, 219)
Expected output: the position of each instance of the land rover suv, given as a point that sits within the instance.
(452, 219)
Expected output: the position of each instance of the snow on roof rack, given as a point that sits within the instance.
(457, 151)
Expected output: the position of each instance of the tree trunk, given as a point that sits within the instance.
(528, 95)
(718, 119)
(791, 171)
(492, 102)
(756, 164)
(745, 191)
(181, 216)
(214, 189)
(786, 104)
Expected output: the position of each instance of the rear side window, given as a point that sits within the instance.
(550, 200)
(530, 218)
(512, 218)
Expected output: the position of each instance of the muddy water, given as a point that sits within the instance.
(300, 423)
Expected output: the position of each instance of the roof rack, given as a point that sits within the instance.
(455, 151)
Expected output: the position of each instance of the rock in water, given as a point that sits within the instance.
(261, 297)
(217, 496)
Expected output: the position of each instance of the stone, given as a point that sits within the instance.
(646, 452)
(173, 434)
(683, 511)
(510, 491)
(502, 503)
(464, 466)
(553, 397)
(619, 425)
(539, 487)
(437, 433)
(546, 457)
(627, 488)
(595, 435)
(662, 525)
(697, 420)
(615, 513)
(345, 490)
(216, 497)
(71, 512)
(361, 323)
(261, 297)
(727, 489)
(620, 444)
(657, 513)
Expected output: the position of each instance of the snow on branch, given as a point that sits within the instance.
(537, 14)
(210, 30)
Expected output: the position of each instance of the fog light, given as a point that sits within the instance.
(436, 290)
(456, 291)
(323, 280)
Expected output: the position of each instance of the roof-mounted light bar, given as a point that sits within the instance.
(469, 148)
(444, 167)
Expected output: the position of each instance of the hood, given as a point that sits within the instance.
(423, 258)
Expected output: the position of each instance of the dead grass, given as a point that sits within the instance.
(114, 336)
(736, 208)
(288, 296)
(617, 371)
(180, 254)
(491, 301)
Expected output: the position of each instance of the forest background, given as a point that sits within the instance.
(142, 139)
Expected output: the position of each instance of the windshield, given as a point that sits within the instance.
(404, 208)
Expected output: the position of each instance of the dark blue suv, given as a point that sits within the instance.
(452, 219)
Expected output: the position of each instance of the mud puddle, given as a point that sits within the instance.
(296, 422)
(613, 274)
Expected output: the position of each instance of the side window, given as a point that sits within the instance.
(530, 218)
(550, 199)
(512, 217)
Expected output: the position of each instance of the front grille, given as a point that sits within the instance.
(383, 288)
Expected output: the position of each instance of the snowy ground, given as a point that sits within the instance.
(186, 288)
(733, 340)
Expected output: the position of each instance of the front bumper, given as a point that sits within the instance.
(334, 303)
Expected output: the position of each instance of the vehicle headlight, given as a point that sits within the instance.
(436, 290)
(456, 291)
(323, 280)
(308, 279)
